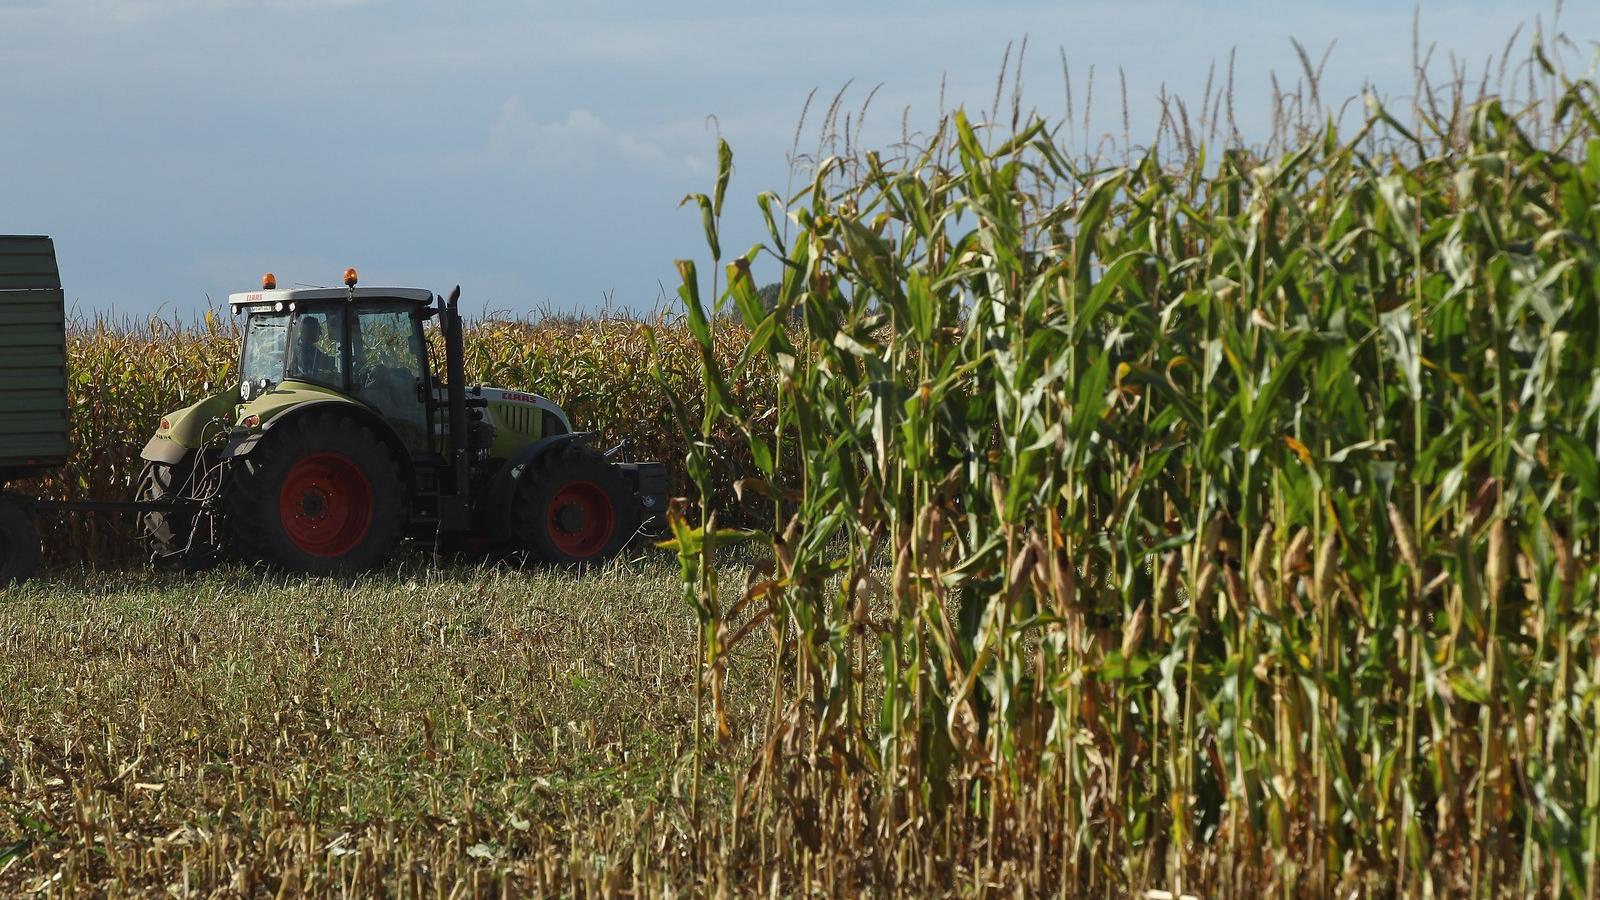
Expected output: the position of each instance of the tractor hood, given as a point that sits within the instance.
(519, 418)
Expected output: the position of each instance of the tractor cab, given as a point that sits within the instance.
(366, 344)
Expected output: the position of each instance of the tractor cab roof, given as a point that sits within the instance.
(281, 299)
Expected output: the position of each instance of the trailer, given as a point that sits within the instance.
(34, 436)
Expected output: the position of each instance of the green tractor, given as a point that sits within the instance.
(339, 441)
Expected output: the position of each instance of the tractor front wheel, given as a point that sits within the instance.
(19, 543)
(166, 534)
(574, 507)
(321, 495)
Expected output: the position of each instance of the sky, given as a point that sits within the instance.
(536, 152)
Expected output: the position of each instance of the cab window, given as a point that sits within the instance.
(387, 368)
(314, 347)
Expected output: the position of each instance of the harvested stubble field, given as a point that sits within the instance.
(461, 733)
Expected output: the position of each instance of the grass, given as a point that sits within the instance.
(433, 731)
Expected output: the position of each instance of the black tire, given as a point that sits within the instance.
(557, 498)
(164, 534)
(19, 543)
(321, 494)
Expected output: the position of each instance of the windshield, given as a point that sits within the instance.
(266, 337)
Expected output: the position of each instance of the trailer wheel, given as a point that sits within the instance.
(19, 543)
(573, 506)
(320, 495)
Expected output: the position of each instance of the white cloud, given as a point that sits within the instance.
(583, 139)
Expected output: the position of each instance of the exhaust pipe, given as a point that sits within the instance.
(455, 354)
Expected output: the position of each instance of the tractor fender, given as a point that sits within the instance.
(164, 451)
(243, 445)
(497, 500)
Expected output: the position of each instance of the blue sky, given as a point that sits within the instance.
(535, 152)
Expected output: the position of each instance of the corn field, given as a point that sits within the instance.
(1222, 525)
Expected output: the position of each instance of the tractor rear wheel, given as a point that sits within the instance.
(19, 543)
(321, 495)
(573, 506)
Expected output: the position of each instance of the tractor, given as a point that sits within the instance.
(338, 440)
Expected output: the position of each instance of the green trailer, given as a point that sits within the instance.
(34, 435)
(33, 359)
